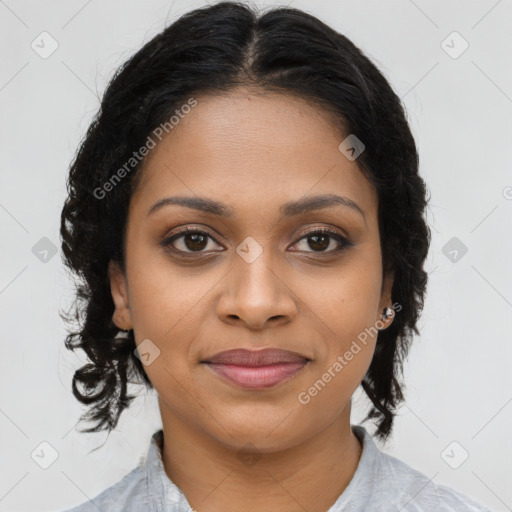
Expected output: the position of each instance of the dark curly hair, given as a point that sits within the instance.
(213, 50)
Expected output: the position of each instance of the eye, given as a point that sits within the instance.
(188, 240)
(321, 239)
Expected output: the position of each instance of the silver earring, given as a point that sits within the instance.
(388, 312)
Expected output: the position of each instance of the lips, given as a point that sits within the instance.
(256, 369)
(264, 357)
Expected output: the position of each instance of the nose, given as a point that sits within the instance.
(256, 295)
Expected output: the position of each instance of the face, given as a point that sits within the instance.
(255, 272)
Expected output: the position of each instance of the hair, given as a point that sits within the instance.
(213, 50)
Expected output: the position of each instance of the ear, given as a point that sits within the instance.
(385, 297)
(118, 288)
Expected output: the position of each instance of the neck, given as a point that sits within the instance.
(215, 477)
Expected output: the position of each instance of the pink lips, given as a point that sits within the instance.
(256, 369)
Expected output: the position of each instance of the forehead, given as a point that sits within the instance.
(252, 147)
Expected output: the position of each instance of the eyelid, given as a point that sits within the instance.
(326, 228)
(188, 229)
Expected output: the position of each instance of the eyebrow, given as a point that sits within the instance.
(292, 208)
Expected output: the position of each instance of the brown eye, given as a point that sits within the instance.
(319, 242)
(321, 239)
(195, 241)
(188, 241)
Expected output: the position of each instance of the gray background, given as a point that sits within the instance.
(458, 374)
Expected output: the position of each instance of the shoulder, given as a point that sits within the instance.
(450, 499)
(414, 491)
(127, 495)
(384, 483)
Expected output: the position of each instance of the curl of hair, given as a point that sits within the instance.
(213, 50)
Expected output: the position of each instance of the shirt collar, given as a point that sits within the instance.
(162, 493)
(367, 466)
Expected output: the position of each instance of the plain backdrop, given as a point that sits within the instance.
(459, 104)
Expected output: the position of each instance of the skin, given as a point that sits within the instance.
(253, 151)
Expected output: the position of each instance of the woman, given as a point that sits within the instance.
(247, 208)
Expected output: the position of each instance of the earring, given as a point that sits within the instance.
(122, 334)
(387, 313)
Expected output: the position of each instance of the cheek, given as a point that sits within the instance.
(167, 308)
(161, 294)
(347, 307)
(346, 301)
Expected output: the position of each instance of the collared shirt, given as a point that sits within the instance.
(381, 483)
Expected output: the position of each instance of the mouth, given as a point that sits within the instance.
(256, 369)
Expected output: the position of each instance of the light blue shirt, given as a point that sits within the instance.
(381, 483)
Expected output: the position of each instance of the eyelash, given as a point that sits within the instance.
(181, 232)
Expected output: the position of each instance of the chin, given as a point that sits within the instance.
(266, 434)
